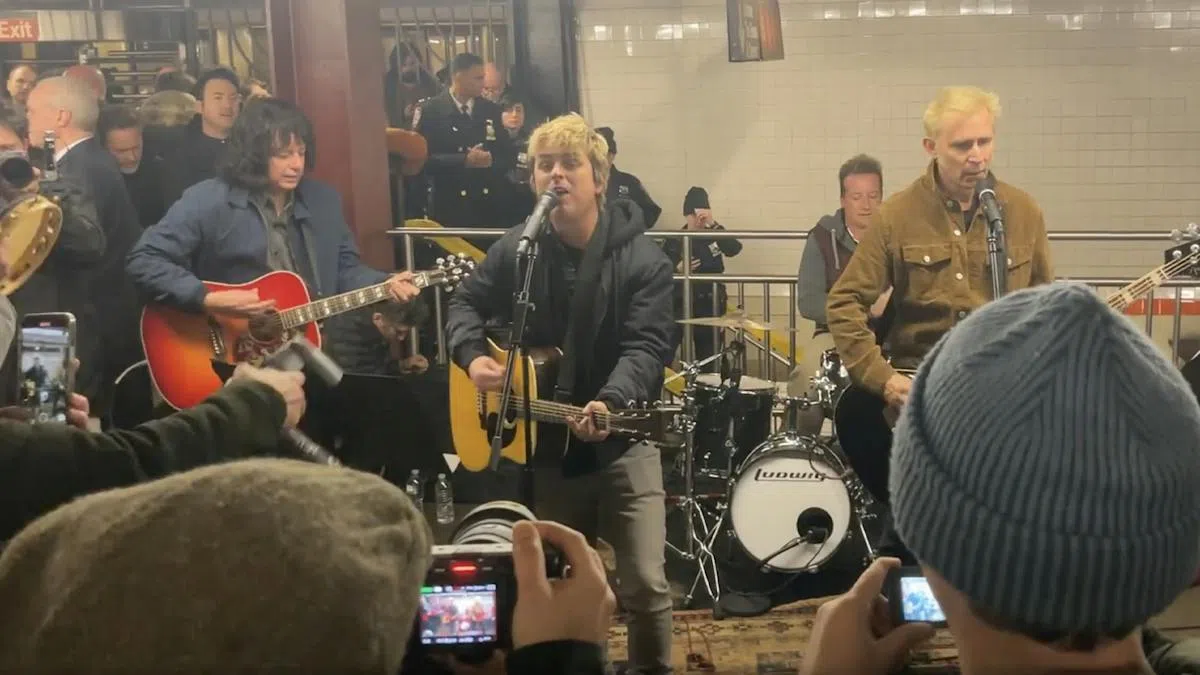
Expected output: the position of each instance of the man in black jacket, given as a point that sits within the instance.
(69, 108)
(603, 295)
(56, 286)
(200, 147)
(623, 185)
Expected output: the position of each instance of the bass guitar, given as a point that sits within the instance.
(474, 414)
(181, 346)
(863, 421)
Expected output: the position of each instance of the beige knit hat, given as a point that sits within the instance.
(252, 565)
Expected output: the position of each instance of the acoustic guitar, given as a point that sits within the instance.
(473, 414)
(181, 346)
(864, 422)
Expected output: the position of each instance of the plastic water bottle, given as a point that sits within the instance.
(414, 489)
(444, 499)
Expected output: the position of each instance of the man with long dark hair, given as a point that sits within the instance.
(262, 213)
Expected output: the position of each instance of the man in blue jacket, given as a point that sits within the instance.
(259, 215)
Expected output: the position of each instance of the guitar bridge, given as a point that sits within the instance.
(215, 339)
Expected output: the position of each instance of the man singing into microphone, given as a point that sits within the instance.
(602, 293)
(929, 243)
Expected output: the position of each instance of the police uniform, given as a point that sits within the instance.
(462, 196)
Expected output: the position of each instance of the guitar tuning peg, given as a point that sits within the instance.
(1176, 236)
(1193, 230)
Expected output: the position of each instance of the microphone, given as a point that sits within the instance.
(985, 191)
(299, 354)
(533, 224)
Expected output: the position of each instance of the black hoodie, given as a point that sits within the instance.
(193, 159)
(624, 349)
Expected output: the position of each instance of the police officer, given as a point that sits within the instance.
(469, 152)
(623, 185)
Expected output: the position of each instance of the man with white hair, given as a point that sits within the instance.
(69, 108)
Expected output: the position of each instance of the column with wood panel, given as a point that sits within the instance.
(326, 56)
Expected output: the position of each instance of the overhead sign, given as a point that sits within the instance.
(19, 28)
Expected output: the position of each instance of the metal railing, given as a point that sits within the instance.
(771, 358)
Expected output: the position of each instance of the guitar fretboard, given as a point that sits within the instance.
(1148, 282)
(320, 310)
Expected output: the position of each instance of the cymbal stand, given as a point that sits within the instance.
(699, 536)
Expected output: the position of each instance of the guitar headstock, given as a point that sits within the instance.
(451, 271)
(647, 424)
(1186, 252)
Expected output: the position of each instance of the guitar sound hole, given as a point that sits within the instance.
(266, 327)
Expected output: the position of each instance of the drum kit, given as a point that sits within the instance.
(788, 500)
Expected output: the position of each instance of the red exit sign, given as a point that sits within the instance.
(19, 28)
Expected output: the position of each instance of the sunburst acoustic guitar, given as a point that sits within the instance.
(182, 346)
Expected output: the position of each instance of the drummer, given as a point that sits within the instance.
(826, 252)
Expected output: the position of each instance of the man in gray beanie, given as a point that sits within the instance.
(1046, 474)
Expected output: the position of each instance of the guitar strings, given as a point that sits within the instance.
(1147, 282)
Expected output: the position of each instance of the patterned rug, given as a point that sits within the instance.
(772, 644)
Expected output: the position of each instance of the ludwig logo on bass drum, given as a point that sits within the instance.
(797, 476)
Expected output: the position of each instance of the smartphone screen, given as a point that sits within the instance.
(46, 347)
(918, 602)
(456, 615)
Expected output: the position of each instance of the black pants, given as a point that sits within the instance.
(890, 545)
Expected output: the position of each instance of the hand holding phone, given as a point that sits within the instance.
(911, 599)
(853, 633)
(46, 353)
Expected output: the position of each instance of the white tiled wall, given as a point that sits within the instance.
(1101, 119)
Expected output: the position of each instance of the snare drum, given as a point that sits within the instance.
(788, 487)
(750, 410)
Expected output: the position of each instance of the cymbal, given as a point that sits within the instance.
(736, 322)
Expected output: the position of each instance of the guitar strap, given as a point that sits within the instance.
(581, 331)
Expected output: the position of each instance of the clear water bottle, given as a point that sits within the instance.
(414, 489)
(444, 499)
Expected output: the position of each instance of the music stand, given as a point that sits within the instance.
(372, 423)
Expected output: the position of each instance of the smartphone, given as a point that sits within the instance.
(911, 599)
(458, 614)
(46, 347)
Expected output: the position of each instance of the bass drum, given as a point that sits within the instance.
(789, 487)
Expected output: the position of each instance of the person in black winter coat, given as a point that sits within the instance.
(602, 293)
(707, 257)
(623, 185)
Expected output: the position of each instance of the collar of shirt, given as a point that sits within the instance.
(62, 152)
(470, 103)
(267, 204)
(931, 183)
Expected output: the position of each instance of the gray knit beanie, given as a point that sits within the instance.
(252, 566)
(1047, 465)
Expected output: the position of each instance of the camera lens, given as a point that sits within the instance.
(490, 523)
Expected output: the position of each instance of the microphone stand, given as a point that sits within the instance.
(996, 246)
(518, 349)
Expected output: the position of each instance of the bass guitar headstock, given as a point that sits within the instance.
(449, 272)
(1184, 257)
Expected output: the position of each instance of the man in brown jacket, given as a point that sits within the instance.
(929, 243)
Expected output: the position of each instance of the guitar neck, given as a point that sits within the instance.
(1146, 283)
(558, 413)
(324, 308)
